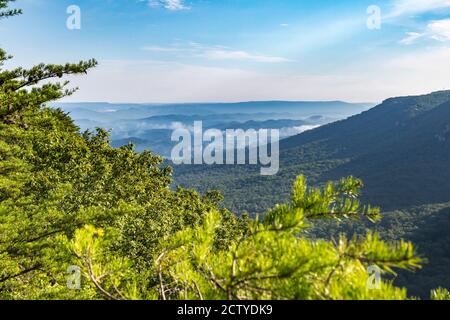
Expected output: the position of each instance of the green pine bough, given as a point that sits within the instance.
(82, 220)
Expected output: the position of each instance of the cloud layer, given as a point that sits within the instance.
(195, 50)
(438, 30)
(173, 5)
(411, 7)
(153, 81)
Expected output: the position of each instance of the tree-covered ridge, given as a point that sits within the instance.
(54, 180)
(69, 201)
(269, 261)
(425, 226)
(400, 149)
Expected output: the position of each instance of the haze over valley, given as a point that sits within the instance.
(150, 126)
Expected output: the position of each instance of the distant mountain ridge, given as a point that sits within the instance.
(149, 126)
(400, 149)
(136, 111)
(400, 144)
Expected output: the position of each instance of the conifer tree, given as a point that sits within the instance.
(5, 12)
(69, 200)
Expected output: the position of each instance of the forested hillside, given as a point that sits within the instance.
(80, 219)
(400, 149)
(426, 226)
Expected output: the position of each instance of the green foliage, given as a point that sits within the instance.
(54, 180)
(269, 261)
(71, 200)
(18, 87)
(440, 294)
(425, 226)
(400, 149)
(5, 12)
(14, 96)
(335, 200)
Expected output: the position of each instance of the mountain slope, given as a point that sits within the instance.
(399, 148)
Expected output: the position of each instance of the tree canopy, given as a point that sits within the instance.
(69, 201)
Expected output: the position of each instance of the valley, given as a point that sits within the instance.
(400, 149)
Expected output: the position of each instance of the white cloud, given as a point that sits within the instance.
(156, 81)
(411, 7)
(161, 49)
(411, 37)
(435, 29)
(222, 54)
(215, 53)
(173, 5)
(438, 30)
(292, 131)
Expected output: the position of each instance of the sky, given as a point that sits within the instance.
(239, 50)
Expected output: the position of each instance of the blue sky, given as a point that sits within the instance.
(239, 50)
